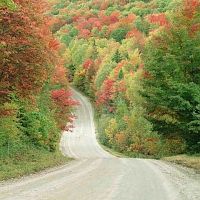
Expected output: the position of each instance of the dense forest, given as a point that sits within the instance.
(35, 103)
(139, 62)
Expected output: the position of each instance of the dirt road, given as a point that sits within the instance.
(97, 175)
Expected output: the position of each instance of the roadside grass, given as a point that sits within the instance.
(191, 161)
(125, 154)
(28, 162)
(112, 151)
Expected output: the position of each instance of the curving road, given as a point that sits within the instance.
(97, 175)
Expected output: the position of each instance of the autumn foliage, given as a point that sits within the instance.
(137, 60)
(107, 45)
(30, 70)
(159, 19)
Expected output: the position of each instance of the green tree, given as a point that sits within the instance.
(117, 57)
(9, 4)
(142, 25)
(119, 34)
(172, 88)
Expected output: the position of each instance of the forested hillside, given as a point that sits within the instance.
(35, 103)
(139, 62)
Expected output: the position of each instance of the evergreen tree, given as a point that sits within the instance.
(173, 78)
(95, 52)
(119, 34)
(117, 57)
(121, 75)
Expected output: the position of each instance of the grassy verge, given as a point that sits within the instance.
(31, 161)
(191, 161)
(113, 152)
